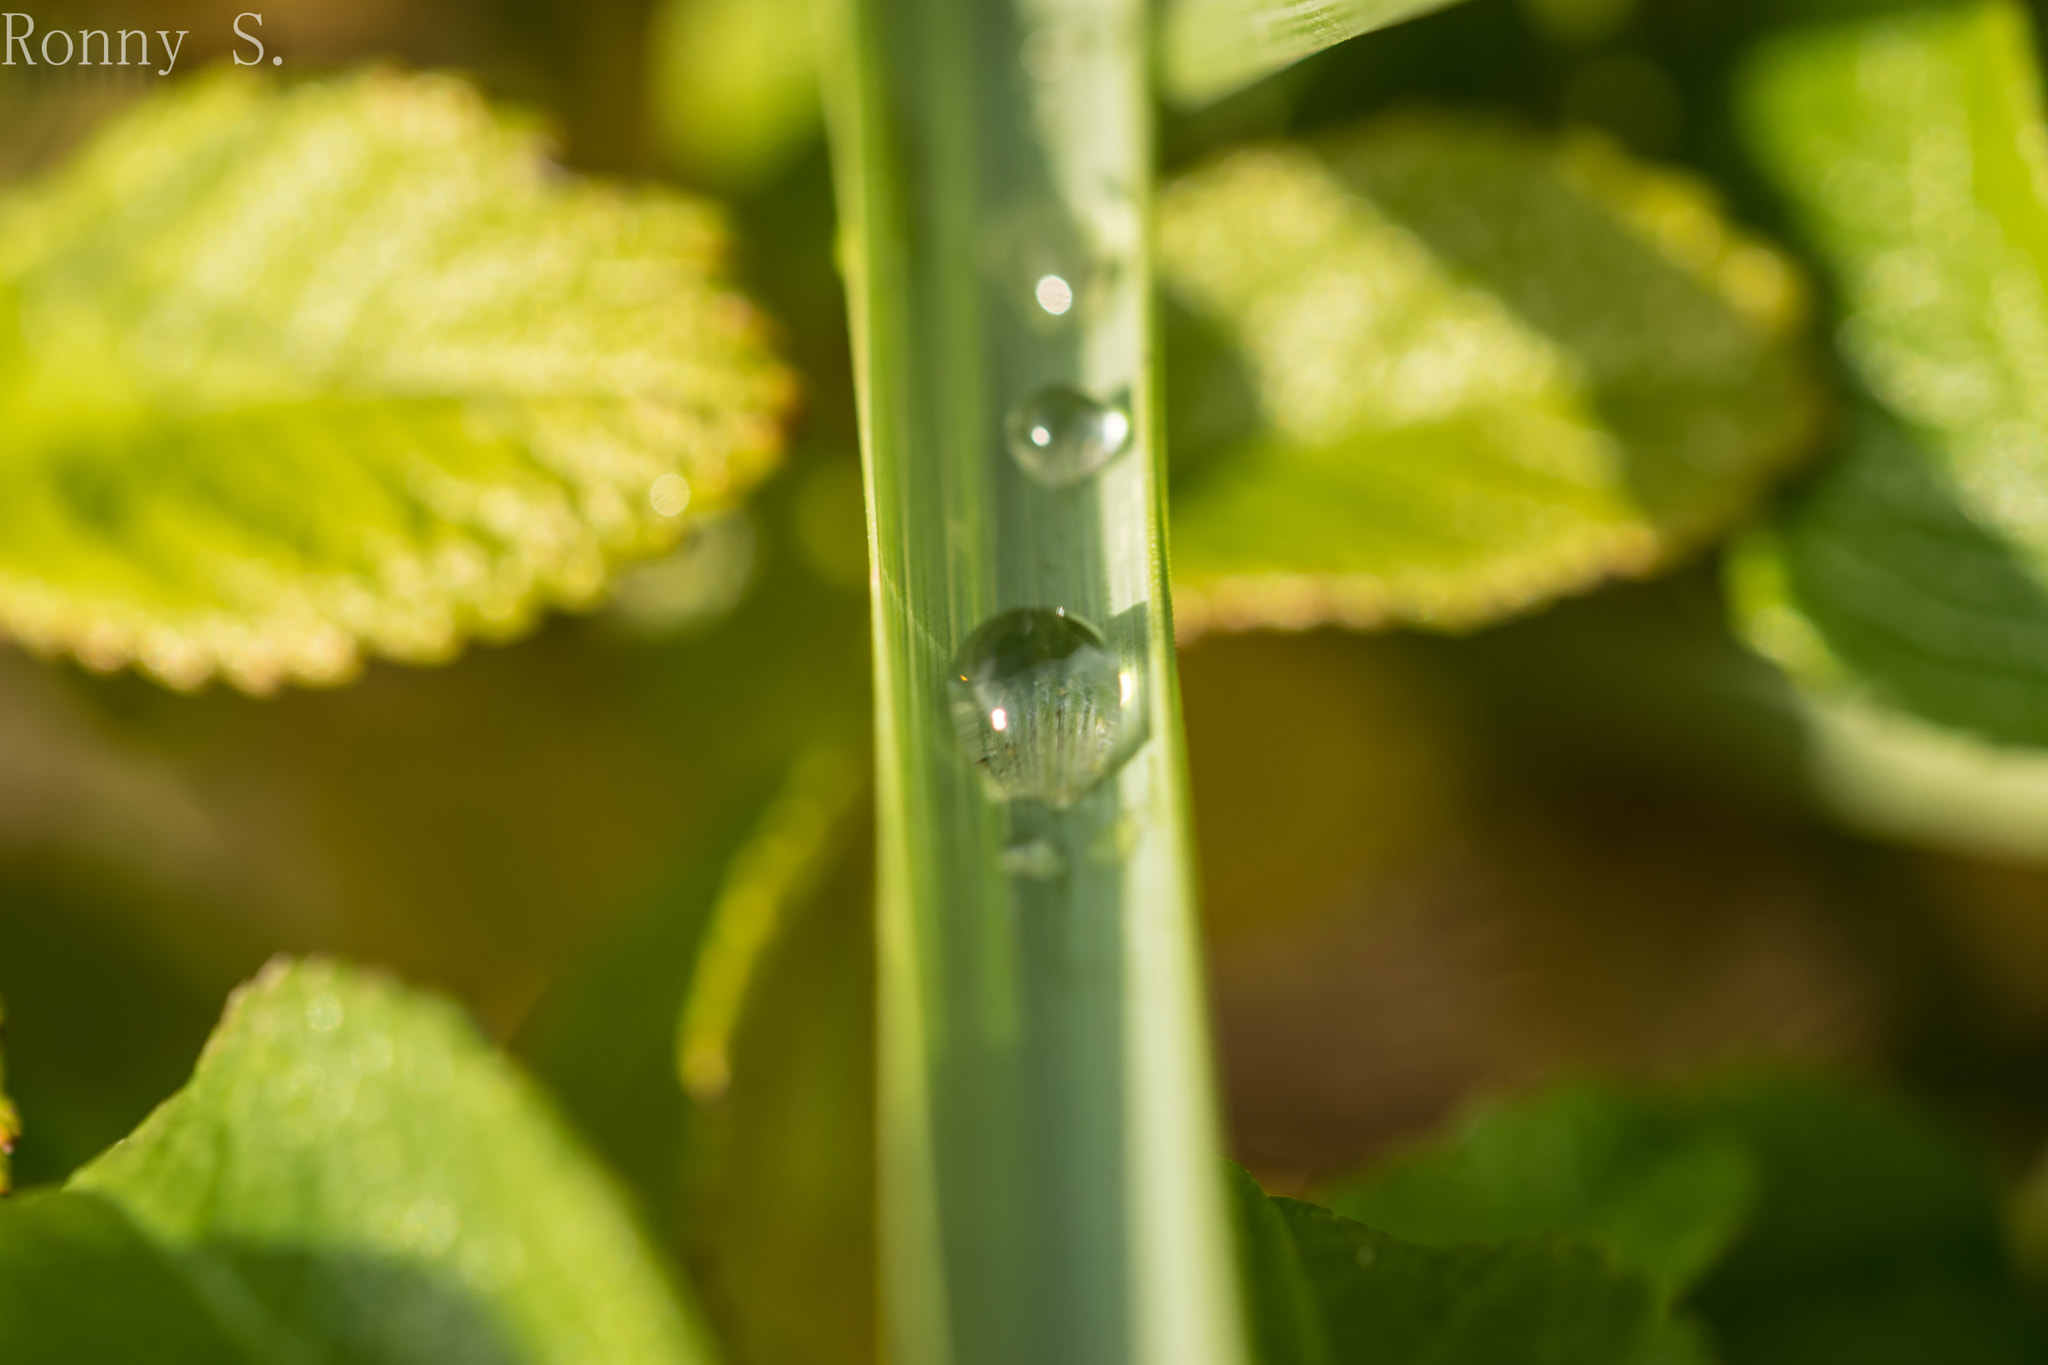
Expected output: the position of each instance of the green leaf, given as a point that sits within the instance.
(79, 1282)
(1208, 48)
(1907, 587)
(1479, 367)
(352, 1170)
(1877, 1237)
(1659, 1194)
(295, 374)
(1324, 1289)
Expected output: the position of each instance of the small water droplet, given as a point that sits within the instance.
(1036, 704)
(1062, 436)
(1365, 1256)
(1038, 859)
(1054, 294)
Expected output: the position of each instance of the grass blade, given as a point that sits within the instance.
(1050, 1183)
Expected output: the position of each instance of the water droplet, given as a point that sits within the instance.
(1054, 294)
(1036, 704)
(1062, 436)
(1038, 859)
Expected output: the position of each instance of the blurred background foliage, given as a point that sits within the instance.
(1601, 836)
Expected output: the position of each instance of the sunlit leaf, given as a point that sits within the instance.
(292, 375)
(1661, 1195)
(1474, 368)
(1209, 48)
(1911, 577)
(1325, 1290)
(351, 1166)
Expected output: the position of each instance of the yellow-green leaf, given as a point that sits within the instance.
(353, 1173)
(1479, 368)
(294, 374)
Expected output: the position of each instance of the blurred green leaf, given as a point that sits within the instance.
(1324, 1289)
(1209, 48)
(1911, 577)
(293, 374)
(1797, 1218)
(735, 87)
(1660, 1195)
(351, 1166)
(1480, 368)
(79, 1282)
(1877, 1237)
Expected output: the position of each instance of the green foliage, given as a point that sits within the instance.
(1209, 48)
(1325, 1289)
(1907, 587)
(1473, 368)
(349, 1170)
(294, 374)
(1661, 1195)
(1794, 1218)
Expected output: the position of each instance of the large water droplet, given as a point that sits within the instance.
(1062, 436)
(1037, 704)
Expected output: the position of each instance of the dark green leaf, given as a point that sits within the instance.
(1325, 1290)
(79, 1283)
(1659, 1193)
(1877, 1238)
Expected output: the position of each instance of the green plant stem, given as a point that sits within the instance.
(1050, 1182)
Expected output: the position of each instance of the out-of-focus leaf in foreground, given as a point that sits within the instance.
(1472, 369)
(1661, 1195)
(1907, 588)
(1208, 48)
(351, 1166)
(1324, 1289)
(294, 374)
